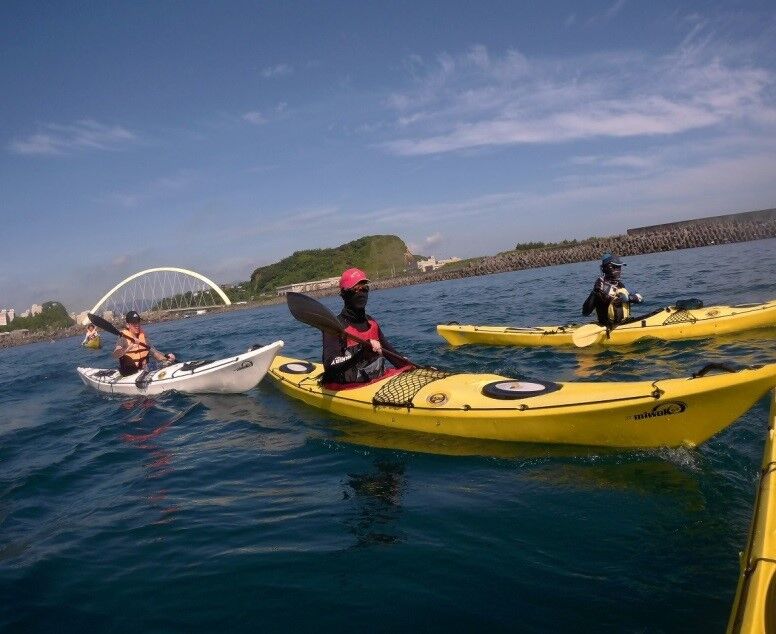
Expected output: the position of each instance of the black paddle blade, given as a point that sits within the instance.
(104, 324)
(311, 312)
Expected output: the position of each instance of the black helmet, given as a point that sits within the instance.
(132, 317)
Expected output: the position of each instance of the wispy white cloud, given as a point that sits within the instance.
(429, 242)
(433, 239)
(613, 9)
(84, 135)
(608, 14)
(157, 188)
(625, 161)
(476, 99)
(294, 221)
(255, 117)
(277, 71)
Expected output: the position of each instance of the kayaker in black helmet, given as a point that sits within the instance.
(609, 298)
(346, 360)
(132, 349)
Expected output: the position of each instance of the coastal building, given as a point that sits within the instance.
(306, 287)
(36, 309)
(3, 317)
(431, 264)
(26, 313)
(11, 313)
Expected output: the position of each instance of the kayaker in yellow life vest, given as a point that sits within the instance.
(91, 333)
(346, 360)
(132, 349)
(609, 298)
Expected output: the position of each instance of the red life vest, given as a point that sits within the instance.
(373, 332)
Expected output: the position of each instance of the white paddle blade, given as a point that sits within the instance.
(587, 335)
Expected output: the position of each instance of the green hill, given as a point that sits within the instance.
(53, 316)
(379, 256)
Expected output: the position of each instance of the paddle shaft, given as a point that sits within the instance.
(367, 342)
(311, 312)
(106, 325)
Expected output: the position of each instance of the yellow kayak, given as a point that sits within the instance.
(664, 412)
(754, 608)
(93, 343)
(669, 323)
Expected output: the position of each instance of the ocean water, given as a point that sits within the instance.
(254, 513)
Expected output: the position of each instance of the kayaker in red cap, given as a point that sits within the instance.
(609, 298)
(132, 349)
(346, 360)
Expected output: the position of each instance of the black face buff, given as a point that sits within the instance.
(356, 300)
(612, 272)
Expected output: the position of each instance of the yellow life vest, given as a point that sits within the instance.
(619, 307)
(138, 357)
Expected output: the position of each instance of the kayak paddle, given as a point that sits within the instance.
(106, 325)
(587, 335)
(311, 312)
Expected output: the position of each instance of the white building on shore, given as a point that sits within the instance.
(7, 315)
(306, 287)
(431, 264)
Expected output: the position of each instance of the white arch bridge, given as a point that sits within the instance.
(162, 289)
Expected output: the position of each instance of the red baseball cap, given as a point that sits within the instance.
(351, 277)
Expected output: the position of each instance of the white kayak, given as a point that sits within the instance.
(224, 376)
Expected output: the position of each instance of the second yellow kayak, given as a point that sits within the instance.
(669, 323)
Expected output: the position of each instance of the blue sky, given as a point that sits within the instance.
(221, 136)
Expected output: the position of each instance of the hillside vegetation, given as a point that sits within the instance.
(53, 316)
(379, 256)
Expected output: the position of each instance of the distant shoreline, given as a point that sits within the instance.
(590, 250)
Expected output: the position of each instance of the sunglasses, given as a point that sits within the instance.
(361, 288)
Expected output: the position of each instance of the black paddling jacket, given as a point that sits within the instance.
(343, 358)
(610, 300)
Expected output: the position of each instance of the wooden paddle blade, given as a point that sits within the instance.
(104, 324)
(587, 335)
(311, 312)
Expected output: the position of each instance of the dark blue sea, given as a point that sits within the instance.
(254, 513)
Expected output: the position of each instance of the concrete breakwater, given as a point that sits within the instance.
(685, 237)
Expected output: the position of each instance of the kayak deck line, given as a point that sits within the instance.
(312, 385)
